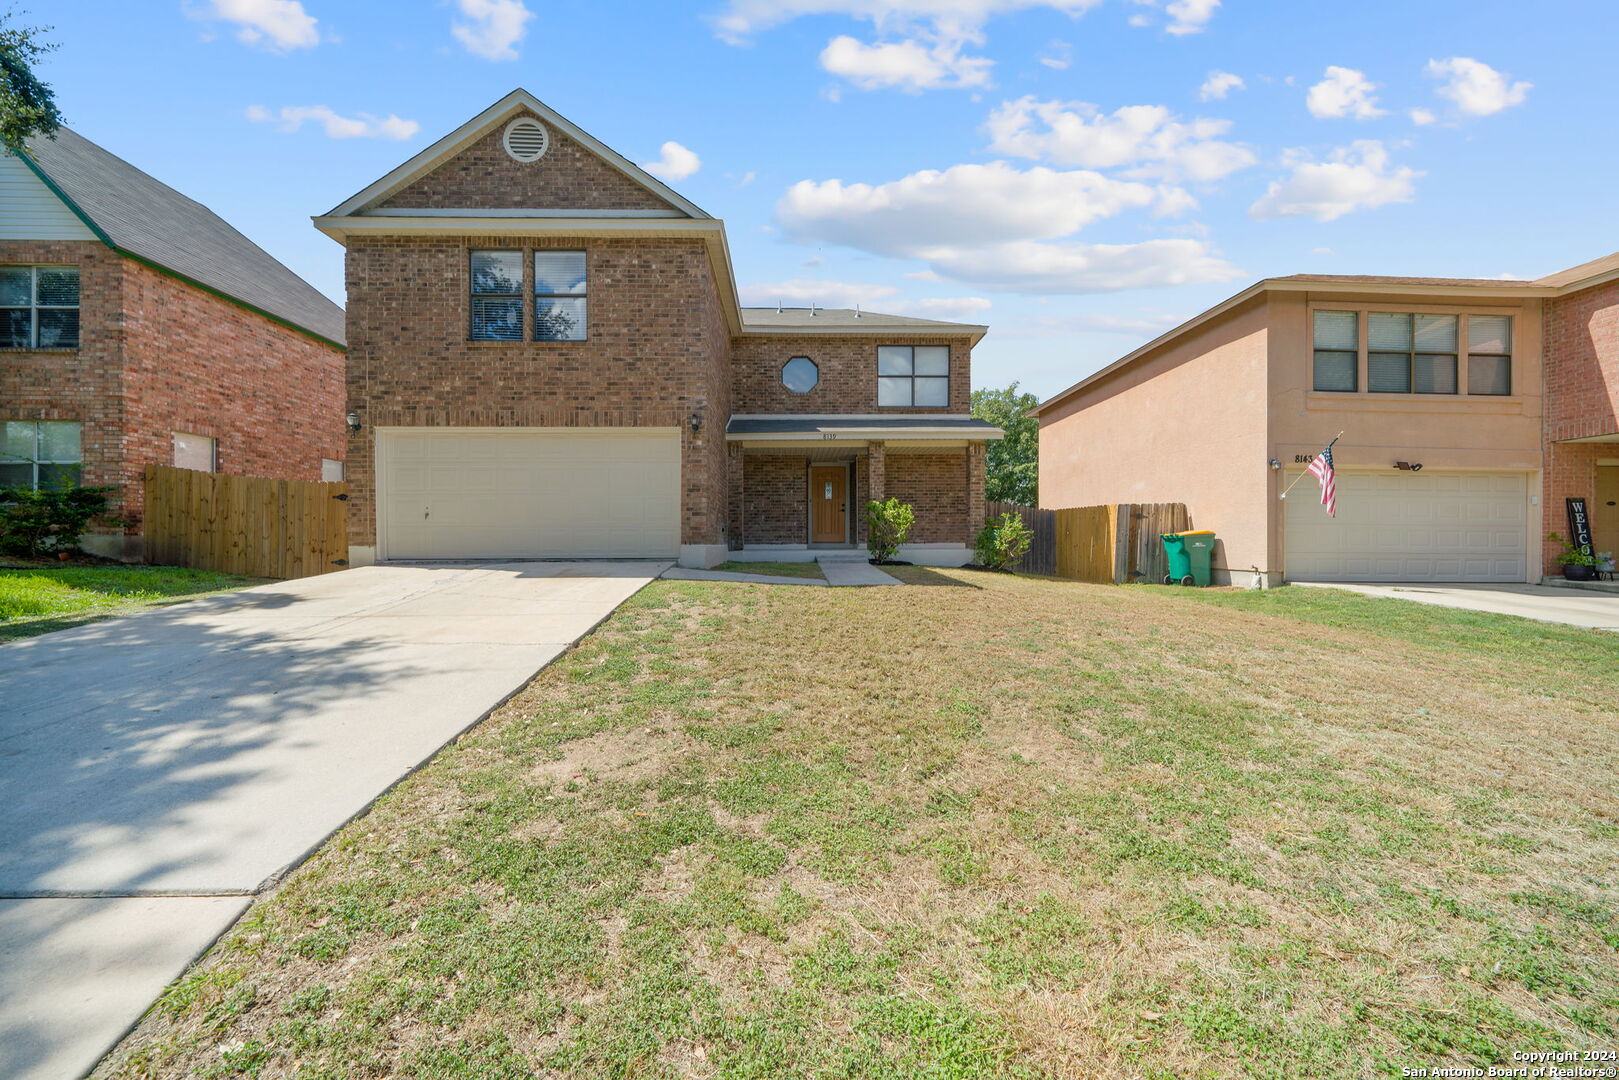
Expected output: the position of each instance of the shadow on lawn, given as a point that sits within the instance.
(921, 575)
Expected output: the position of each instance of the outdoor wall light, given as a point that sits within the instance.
(353, 421)
(1409, 466)
(1275, 464)
(696, 422)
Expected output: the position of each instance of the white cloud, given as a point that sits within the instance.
(1148, 139)
(1422, 117)
(1057, 56)
(964, 205)
(998, 227)
(277, 25)
(676, 163)
(1344, 92)
(1070, 268)
(921, 44)
(359, 126)
(1356, 177)
(1219, 84)
(1144, 324)
(1189, 16)
(949, 308)
(1322, 251)
(908, 65)
(1476, 88)
(1185, 16)
(491, 28)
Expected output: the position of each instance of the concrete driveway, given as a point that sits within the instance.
(159, 770)
(1591, 610)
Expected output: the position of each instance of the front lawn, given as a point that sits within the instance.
(775, 569)
(1005, 827)
(36, 600)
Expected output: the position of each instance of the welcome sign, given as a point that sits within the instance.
(1579, 526)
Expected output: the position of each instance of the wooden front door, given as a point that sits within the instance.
(1605, 511)
(829, 504)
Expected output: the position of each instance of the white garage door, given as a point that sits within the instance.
(1405, 526)
(536, 493)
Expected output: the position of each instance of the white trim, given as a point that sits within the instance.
(512, 212)
(479, 126)
(487, 224)
(884, 434)
(850, 416)
(941, 330)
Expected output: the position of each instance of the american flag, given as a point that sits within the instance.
(1321, 469)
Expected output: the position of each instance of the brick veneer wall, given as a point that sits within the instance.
(848, 369)
(1581, 358)
(158, 356)
(485, 176)
(936, 485)
(775, 499)
(657, 351)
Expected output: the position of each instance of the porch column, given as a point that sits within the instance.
(736, 476)
(975, 489)
(876, 471)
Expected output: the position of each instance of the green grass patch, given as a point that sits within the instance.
(775, 569)
(38, 600)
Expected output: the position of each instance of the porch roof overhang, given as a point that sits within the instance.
(781, 428)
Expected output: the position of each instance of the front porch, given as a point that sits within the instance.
(798, 486)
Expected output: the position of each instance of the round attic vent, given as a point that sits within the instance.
(526, 139)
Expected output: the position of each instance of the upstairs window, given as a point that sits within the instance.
(39, 307)
(1337, 350)
(1489, 354)
(39, 453)
(913, 375)
(1410, 354)
(559, 296)
(497, 296)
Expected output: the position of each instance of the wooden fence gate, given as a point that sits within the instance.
(1112, 544)
(245, 524)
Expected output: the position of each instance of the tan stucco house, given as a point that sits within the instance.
(1469, 410)
(547, 359)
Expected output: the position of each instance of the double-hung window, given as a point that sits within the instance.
(39, 307)
(1410, 353)
(1337, 350)
(39, 453)
(913, 375)
(559, 296)
(1489, 354)
(497, 296)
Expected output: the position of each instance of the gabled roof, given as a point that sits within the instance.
(145, 219)
(847, 320)
(516, 102)
(1575, 278)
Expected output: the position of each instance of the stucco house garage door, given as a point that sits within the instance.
(536, 493)
(1405, 526)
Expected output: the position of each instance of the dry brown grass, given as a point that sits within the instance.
(1003, 826)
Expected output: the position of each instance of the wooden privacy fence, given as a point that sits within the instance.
(1111, 545)
(245, 524)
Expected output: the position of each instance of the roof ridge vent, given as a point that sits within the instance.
(857, 309)
(526, 139)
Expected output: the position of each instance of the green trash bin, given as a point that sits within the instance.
(1188, 557)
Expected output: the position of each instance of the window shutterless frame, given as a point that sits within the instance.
(495, 282)
(39, 307)
(40, 453)
(1460, 353)
(560, 296)
(913, 375)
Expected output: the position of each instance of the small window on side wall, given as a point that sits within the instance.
(195, 452)
(559, 296)
(497, 296)
(1489, 354)
(800, 375)
(913, 375)
(1337, 350)
(331, 470)
(38, 454)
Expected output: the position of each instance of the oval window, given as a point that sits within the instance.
(800, 375)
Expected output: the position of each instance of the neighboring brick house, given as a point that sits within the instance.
(548, 360)
(1470, 410)
(137, 328)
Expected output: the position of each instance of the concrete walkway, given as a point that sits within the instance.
(1590, 610)
(162, 768)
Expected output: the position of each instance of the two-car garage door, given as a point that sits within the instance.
(528, 493)
(1411, 526)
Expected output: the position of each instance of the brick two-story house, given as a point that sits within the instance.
(137, 328)
(548, 359)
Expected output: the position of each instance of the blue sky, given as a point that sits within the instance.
(955, 158)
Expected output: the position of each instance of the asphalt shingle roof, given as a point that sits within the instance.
(146, 217)
(769, 318)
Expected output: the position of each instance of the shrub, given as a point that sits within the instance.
(1002, 542)
(1571, 555)
(888, 524)
(44, 522)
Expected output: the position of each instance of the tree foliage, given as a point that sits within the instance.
(888, 525)
(27, 106)
(49, 520)
(1011, 465)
